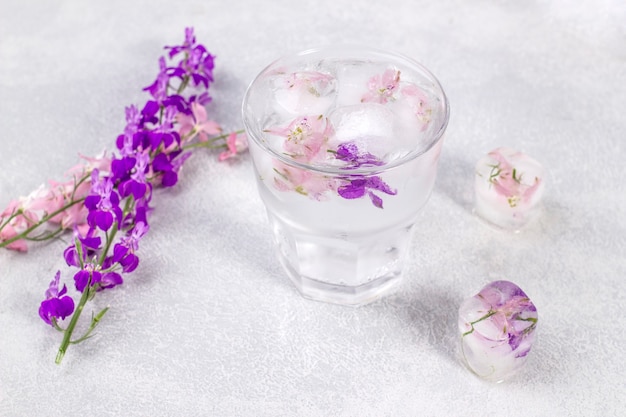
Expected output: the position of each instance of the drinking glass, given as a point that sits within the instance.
(345, 143)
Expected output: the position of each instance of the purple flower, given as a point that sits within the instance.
(91, 276)
(158, 89)
(102, 203)
(149, 112)
(89, 245)
(124, 252)
(132, 172)
(197, 63)
(121, 168)
(190, 42)
(56, 304)
(349, 152)
(131, 241)
(165, 134)
(168, 166)
(357, 187)
(110, 280)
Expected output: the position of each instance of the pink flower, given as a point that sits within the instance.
(382, 87)
(31, 208)
(418, 102)
(44, 202)
(312, 82)
(508, 181)
(197, 124)
(302, 181)
(67, 192)
(305, 92)
(26, 211)
(306, 137)
(8, 232)
(236, 144)
(101, 162)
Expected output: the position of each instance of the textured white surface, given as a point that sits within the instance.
(209, 326)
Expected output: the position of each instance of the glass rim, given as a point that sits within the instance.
(256, 134)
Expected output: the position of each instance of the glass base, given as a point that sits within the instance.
(341, 294)
(341, 268)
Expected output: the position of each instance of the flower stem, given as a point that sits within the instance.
(41, 222)
(67, 335)
(485, 317)
(209, 143)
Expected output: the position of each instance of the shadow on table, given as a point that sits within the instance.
(430, 314)
(455, 179)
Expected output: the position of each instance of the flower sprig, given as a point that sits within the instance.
(107, 201)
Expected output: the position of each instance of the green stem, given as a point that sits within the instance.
(94, 322)
(70, 328)
(485, 317)
(46, 235)
(109, 240)
(210, 142)
(183, 84)
(41, 222)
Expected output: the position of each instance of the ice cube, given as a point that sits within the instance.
(304, 92)
(352, 80)
(408, 130)
(497, 328)
(508, 187)
(368, 125)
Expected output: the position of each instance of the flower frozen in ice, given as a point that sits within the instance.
(508, 181)
(350, 153)
(497, 328)
(305, 137)
(360, 186)
(313, 82)
(418, 101)
(357, 186)
(304, 92)
(509, 186)
(309, 183)
(382, 87)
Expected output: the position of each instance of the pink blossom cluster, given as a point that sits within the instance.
(60, 206)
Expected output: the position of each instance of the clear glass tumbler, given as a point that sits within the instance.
(345, 143)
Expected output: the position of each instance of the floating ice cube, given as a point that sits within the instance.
(408, 130)
(508, 188)
(497, 328)
(353, 79)
(304, 92)
(368, 125)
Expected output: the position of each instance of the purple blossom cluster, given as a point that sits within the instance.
(357, 186)
(151, 152)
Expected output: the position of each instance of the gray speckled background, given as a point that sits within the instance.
(209, 326)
